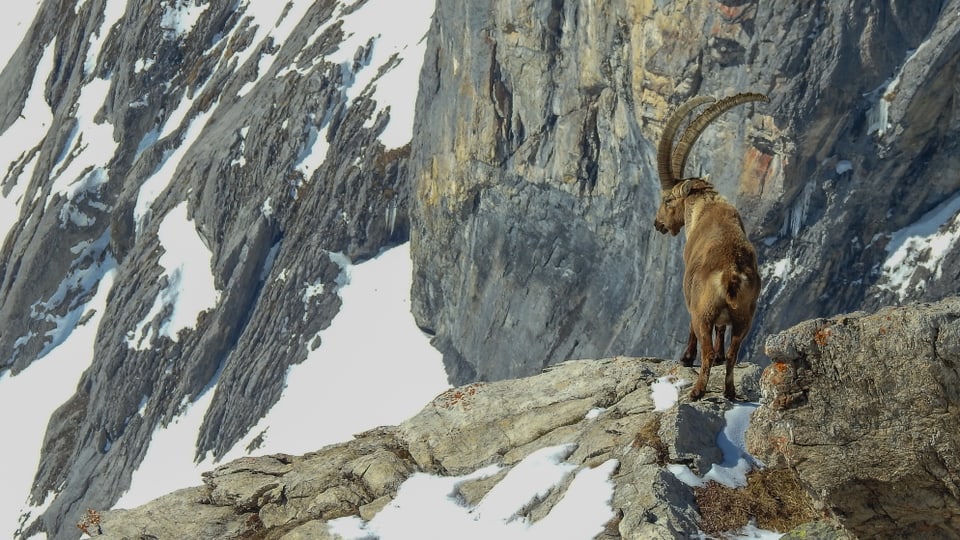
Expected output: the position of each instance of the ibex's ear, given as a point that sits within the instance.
(686, 187)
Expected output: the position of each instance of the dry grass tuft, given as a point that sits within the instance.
(774, 497)
(649, 435)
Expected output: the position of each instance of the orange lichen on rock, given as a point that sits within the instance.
(822, 335)
(757, 170)
(456, 396)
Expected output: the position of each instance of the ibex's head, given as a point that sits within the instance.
(670, 160)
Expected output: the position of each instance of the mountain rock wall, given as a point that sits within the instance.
(528, 189)
(536, 187)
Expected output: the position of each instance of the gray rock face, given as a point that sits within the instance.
(459, 432)
(535, 182)
(863, 407)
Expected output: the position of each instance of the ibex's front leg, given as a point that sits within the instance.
(720, 332)
(690, 353)
(739, 332)
(707, 356)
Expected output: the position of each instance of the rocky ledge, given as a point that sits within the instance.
(865, 408)
(856, 413)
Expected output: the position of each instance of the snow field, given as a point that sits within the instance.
(373, 363)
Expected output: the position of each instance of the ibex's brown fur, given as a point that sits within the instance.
(721, 281)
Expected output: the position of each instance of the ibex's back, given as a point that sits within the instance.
(721, 280)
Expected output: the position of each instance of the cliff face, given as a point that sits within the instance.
(535, 186)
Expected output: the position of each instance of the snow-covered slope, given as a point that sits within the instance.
(351, 383)
(189, 190)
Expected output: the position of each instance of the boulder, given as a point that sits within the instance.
(864, 407)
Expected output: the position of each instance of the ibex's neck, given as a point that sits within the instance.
(696, 203)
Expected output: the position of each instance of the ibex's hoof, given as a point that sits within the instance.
(731, 396)
(686, 362)
(696, 394)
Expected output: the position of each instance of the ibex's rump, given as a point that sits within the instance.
(721, 281)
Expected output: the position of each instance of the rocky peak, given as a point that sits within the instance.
(594, 414)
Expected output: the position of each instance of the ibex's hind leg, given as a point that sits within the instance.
(707, 356)
(739, 332)
(690, 353)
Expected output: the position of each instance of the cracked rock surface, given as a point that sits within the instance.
(459, 432)
(865, 407)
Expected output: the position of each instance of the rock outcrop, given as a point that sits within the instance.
(860, 409)
(864, 408)
(535, 186)
(461, 431)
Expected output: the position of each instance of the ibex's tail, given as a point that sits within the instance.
(734, 281)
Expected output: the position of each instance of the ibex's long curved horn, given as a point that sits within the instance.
(667, 177)
(698, 124)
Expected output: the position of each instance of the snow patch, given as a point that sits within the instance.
(166, 467)
(158, 182)
(179, 17)
(242, 161)
(143, 64)
(404, 44)
(376, 304)
(582, 511)
(923, 244)
(93, 261)
(190, 288)
(24, 135)
(315, 150)
(594, 413)
(665, 392)
(311, 291)
(112, 13)
(737, 462)
(843, 166)
(273, 20)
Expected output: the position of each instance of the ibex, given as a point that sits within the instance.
(721, 281)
